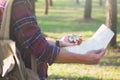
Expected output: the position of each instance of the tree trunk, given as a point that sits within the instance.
(77, 1)
(101, 2)
(46, 7)
(50, 3)
(111, 18)
(88, 9)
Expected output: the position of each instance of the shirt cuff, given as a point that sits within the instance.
(55, 52)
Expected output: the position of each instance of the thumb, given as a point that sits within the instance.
(66, 44)
(69, 44)
(100, 52)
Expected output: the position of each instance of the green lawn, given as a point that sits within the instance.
(66, 17)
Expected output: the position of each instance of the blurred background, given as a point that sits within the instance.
(57, 18)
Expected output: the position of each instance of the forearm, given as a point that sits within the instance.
(53, 42)
(91, 57)
(68, 57)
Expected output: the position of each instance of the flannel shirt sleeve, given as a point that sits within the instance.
(28, 34)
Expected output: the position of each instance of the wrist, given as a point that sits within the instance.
(57, 43)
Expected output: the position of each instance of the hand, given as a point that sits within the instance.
(65, 41)
(94, 56)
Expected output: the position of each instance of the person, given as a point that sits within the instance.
(29, 40)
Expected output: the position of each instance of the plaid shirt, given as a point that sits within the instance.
(29, 39)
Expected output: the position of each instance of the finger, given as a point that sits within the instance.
(78, 41)
(70, 44)
(98, 51)
(102, 53)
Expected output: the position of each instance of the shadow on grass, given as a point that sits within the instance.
(113, 57)
(56, 77)
(87, 78)
(110, 61)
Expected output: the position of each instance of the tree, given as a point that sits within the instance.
(50, 2)
(46, 7)
(77, 1)
(101, 2)
(88, 9)
(111, 18)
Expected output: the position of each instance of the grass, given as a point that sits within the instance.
(66, 17)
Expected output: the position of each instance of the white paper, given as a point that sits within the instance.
(99, 40)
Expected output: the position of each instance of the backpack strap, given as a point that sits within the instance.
(6, 20)
(7, 47)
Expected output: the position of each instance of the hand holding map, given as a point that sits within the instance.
(99, 40)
